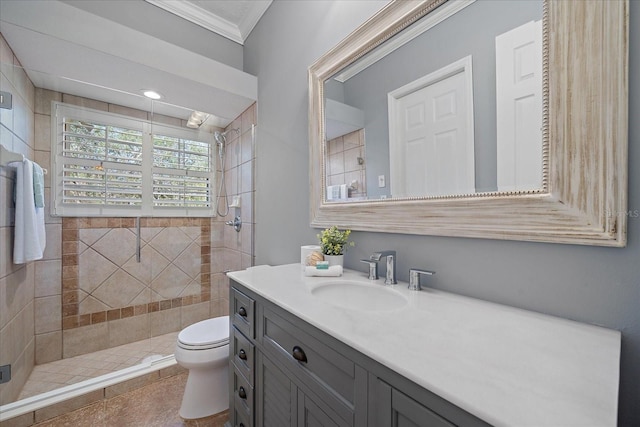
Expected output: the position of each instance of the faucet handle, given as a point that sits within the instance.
(414, 278)
(373, 268)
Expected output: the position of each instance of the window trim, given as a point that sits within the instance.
(59, 110)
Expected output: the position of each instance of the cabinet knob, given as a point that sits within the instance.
(242, 355)
(299, 355)
(242, 312)
(241, 425)
(242, 393)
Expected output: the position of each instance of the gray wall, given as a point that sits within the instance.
(152, 20)
(589, 284)
(472, 31)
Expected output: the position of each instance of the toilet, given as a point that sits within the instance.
(203, 349)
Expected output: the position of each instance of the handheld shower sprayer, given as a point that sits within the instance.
(221, 141)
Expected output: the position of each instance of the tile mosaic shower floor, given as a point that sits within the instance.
(53, 375)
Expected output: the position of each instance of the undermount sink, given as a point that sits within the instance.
(359, 296)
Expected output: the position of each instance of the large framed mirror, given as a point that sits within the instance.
(517, 132)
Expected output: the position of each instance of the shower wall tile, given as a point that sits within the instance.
(170, 242)
(217, 260)
(53, 250)
(94, 269)
(42, 128)
(170, 283)
(48, 278)
(189, 260)
(222, 307)
(346, 162)
(43, 100)
(246, 177)
(20, 370)
(48, 347)
(117, 245)
(17, 291)
(248, 118)
(231, 238)
(165, 321)
(130, 112)
(246, 212)
(84, 102)
(246, 261)
(232, 260)
(246, 238)
(235, 124)
(124, 331)
(194, 313)
(85, 340)
(119, 290)
(48, 314)
(247, 148)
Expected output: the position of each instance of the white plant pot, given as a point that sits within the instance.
(335, 260)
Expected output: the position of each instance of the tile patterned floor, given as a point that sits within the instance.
(154, 405)
(50, 376)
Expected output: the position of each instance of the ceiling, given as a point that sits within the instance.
(71, 50)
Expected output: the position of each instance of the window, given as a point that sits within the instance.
(107, 164)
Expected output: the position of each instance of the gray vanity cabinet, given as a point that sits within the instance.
(282, 403)
(390, 407)
(287, 373)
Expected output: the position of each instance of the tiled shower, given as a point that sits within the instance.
(89, 293)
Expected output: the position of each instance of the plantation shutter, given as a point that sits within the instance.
(108, 164)
(181, 172)
(102, 164)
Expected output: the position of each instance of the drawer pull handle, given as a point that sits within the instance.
(299, 355)
(242, 393)
(242, 312)
(242, 355)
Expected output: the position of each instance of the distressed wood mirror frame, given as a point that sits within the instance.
(584, 194)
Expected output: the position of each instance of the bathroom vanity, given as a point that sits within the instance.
(352, 352)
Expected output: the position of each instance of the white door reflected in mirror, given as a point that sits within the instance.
(431, 148)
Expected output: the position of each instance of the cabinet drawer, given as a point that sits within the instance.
(240, 419)
(242, 396)
(327, 373)
(243, 309)
(243, 354)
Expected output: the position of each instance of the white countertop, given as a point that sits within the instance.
(508, 367)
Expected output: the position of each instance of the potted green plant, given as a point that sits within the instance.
(334, 243)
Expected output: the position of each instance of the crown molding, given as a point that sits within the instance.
(212, 22)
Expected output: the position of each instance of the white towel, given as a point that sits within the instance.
(38, 185)
(29, 233)
(332, 271)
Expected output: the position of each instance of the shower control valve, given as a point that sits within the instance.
(236, 223)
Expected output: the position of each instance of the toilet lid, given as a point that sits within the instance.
(205, 334)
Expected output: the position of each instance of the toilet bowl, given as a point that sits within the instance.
(203, 349)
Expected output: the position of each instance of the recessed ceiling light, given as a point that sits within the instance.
(151, 94)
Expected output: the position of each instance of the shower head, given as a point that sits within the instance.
(221, 137)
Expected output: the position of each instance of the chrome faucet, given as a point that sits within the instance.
(373, 268)
(391, 265)
(414, 278)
